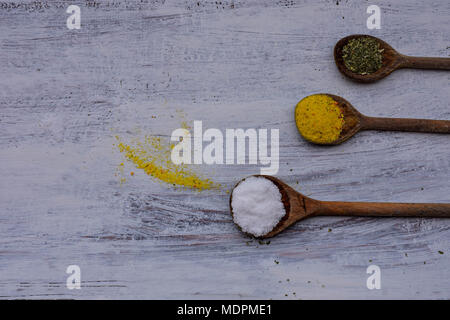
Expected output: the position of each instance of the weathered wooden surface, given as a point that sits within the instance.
(65, 94)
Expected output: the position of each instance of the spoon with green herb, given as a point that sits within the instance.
(367, 59)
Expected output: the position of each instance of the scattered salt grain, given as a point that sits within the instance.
(257, 206)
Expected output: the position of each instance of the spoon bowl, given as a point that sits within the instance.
(352, 119)
(392, 60)
(299, 207)
(293, 201)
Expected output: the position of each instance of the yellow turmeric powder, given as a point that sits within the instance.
(319, 119)
(153, 157)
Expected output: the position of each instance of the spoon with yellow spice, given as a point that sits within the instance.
(330, 120)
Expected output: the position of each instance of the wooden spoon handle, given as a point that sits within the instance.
(383, 209)
(426, 63)
(412, 125)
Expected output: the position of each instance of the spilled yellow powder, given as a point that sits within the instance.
(120, 173)
(184, 125)
(154, 157)
(319, 119)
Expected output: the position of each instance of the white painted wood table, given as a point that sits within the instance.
(65, 94)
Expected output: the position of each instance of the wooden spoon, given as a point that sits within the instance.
(354, 121)
(392, 60)
(299, 207)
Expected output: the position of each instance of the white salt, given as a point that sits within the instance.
(257, 206)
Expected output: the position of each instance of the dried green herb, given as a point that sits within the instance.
(362, 55)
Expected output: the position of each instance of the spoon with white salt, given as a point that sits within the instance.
(263, 206)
